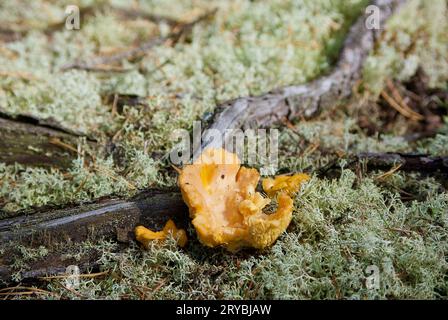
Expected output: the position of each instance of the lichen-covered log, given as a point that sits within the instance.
(309, 99)
(111, 218)
(91, 221)
(36, 145)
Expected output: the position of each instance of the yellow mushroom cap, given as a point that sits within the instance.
(284, 183)
(224, 206)
(145, 236)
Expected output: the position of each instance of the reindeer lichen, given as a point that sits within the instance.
(341, 225)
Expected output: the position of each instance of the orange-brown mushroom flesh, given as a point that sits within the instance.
(224, 206)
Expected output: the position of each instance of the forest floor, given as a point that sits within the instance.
(344, 222)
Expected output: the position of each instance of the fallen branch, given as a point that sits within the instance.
(111, 218)
(407, 162)
(92, 221)
(31, 144)
(140, 50)
(393, 162)
(306, 100)
(49, 123)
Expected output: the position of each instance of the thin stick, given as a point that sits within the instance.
(85, 275)
(390, 172)
(58, 142)
(110, 175)
(407, 112)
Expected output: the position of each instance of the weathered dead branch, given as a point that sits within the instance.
(32, 144)
(424, 164)
(91, 221)
(306, 100)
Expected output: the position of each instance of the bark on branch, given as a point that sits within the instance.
(33, 144)
(103, 218)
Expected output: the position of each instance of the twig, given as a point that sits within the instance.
(397, 96)
(113, 177)
(86, 275)
(406, 162)
(405, 111)
(407, 232)
(72, 291)
(388, 173)
(157, 288)
(396, 161)
(29, 291)
(58, 142)
(133, 14)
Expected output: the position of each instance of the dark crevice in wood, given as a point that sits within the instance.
(48, 123)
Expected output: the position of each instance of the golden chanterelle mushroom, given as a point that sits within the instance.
(224, 206)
